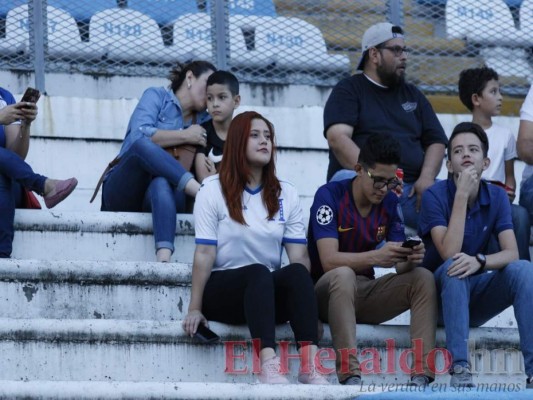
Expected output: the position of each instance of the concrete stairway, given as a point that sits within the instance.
(79, 318)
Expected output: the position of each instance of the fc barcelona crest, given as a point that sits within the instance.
(382, 231)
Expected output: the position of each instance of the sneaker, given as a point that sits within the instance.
(60, 192)
(270, 373)
(462, 377)
(352, 380)
(529, 383)
(313, 377)
(419, 381)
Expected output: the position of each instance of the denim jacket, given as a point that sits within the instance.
(158, 109)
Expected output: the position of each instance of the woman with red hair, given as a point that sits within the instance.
(243, 217)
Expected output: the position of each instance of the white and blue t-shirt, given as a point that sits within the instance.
(261, 240)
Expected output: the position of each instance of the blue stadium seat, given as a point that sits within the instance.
(249, 7)
(83, 10)
(165, 12)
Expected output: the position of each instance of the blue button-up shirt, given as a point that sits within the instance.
(158, 109)
(490, 214)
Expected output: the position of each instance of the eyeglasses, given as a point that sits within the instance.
(397, 50)
(380, 183)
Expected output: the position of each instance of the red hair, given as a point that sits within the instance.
(235, 168)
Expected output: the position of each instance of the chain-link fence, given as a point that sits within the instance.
(270, 41)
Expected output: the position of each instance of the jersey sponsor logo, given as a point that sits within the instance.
(409, 106)
(380, 235)
(341, 229)
(324, 215)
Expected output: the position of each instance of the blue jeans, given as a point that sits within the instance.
(146, 179)
(408, 205)
(526, 196)
(474, 300)
(522, 231)
(14, 173)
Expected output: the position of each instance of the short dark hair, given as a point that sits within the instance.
(380, 148)
(473, 81)
(224, 78)
(470, 127)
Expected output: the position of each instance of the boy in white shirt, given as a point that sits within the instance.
(479, 91)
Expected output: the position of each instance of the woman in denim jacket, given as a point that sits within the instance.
(146, 177)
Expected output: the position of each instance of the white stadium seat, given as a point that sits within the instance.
(289, 43)
(192, 37)
(63, 36)
(125, 34)
(488, 22)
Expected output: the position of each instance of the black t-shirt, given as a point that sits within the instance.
(402, 111)
(215, 146)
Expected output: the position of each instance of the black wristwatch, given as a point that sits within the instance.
(482, 260)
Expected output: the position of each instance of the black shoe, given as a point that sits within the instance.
(529, 383)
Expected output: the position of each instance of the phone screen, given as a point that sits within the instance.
(410, 243)
(206, 335)
(31, 95)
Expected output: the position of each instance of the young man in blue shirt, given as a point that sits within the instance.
(458, 217)
(349, 220)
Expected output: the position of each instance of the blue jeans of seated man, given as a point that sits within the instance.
(14, 173)
(474, 300)
(526, 196)
(146, 179)
(522, 232)
(408, 204)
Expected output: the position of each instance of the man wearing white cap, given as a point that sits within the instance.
(379, 100)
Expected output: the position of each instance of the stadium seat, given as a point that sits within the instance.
(244, 51)
(5, 6)
(291, 43)
(192, 37)
(165, 12)
(16, 41)
(486, 22)
(83, 10)
(126, 35)
(526, 18)
(249, 7)
(63, 35)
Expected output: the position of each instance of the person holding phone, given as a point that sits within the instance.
(349, 221)
(15, 174)
(243, 218)
(144, 177)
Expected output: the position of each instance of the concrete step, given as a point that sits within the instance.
(72, 235)
(94, 289)
(159, 351)
(41, 288)
(89, 390)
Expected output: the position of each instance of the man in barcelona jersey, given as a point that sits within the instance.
(350, 220)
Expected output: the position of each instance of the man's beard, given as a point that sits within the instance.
(388, 78)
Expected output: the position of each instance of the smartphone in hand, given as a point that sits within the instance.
(206, 335)
(411, 242)
(31, 95)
